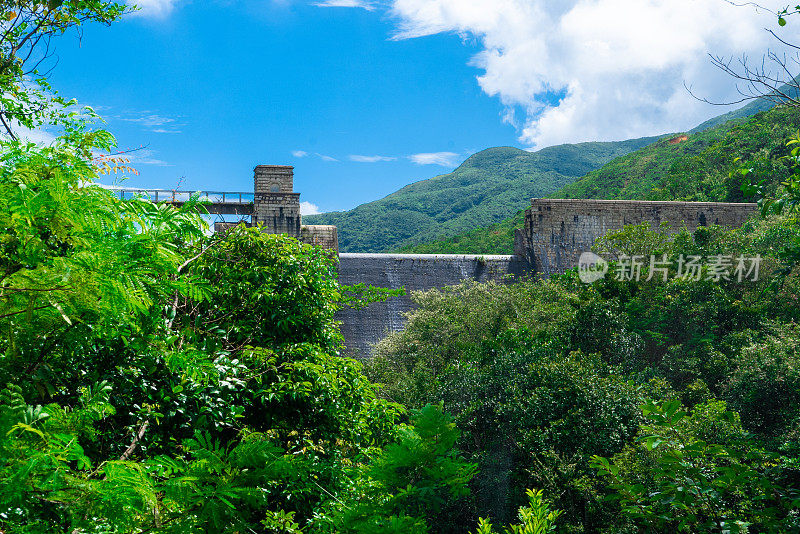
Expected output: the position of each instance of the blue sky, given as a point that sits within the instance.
(214, 90)
(370, 96)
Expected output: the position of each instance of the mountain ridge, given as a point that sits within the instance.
(486, 188)
(489, 188)
(692, 166)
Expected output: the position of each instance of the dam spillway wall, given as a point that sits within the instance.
(364, 328)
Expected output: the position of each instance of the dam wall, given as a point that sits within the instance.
(557, 231)
(364, 328)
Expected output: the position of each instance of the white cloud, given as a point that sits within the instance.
(370, 159)
(144, 156)
(155, 161)
(149, 120)
(299, 153)
(363, 4)
(323, 157)
(153, 122)
(445, 159)
(620, 64)
(307, 208)
(153, 8)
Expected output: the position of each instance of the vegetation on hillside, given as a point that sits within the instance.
(495, 239)
(486, 189)
(743, 112)
(701, 167)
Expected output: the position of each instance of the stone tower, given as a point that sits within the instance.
(276, 205)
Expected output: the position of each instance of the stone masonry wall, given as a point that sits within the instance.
(558, 231)
(275, 204)
(273, 179)
(362, 329)
(278, 212)
(325, 236)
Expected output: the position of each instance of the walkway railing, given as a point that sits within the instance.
(177, 197)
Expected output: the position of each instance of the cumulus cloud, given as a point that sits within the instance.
(299, 153)
(153, 8)
(618, 66)
(370, 159)
(444, 159)
(307, 208)
(363, 4)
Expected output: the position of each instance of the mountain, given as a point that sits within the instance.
(691, 166)
(694, 167)
(744, 112)
(494, 239)
(487, 188)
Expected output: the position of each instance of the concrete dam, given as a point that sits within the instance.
(555, 233)
(364, 328)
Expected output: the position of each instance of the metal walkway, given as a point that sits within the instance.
(219, 202)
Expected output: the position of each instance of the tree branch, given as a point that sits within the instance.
(136, 438)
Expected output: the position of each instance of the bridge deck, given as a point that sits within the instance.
(218, 202)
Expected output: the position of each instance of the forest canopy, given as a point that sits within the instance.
(155, 378)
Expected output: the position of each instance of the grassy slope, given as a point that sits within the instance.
(487, 188)
(695, 169)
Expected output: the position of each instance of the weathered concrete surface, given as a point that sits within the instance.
(558, 231)
(325, 236)
(362, 329)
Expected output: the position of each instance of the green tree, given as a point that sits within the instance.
(413, 485)
(699, 472)
(27, 100)
(536, 518)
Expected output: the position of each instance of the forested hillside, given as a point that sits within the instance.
(495, 239)
(701, 166)
(742, 113)
(487, 188)
(695, 167)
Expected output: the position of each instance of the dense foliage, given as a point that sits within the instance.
(486, 189)
(546, 378)
(154, 378)
(157, 379)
